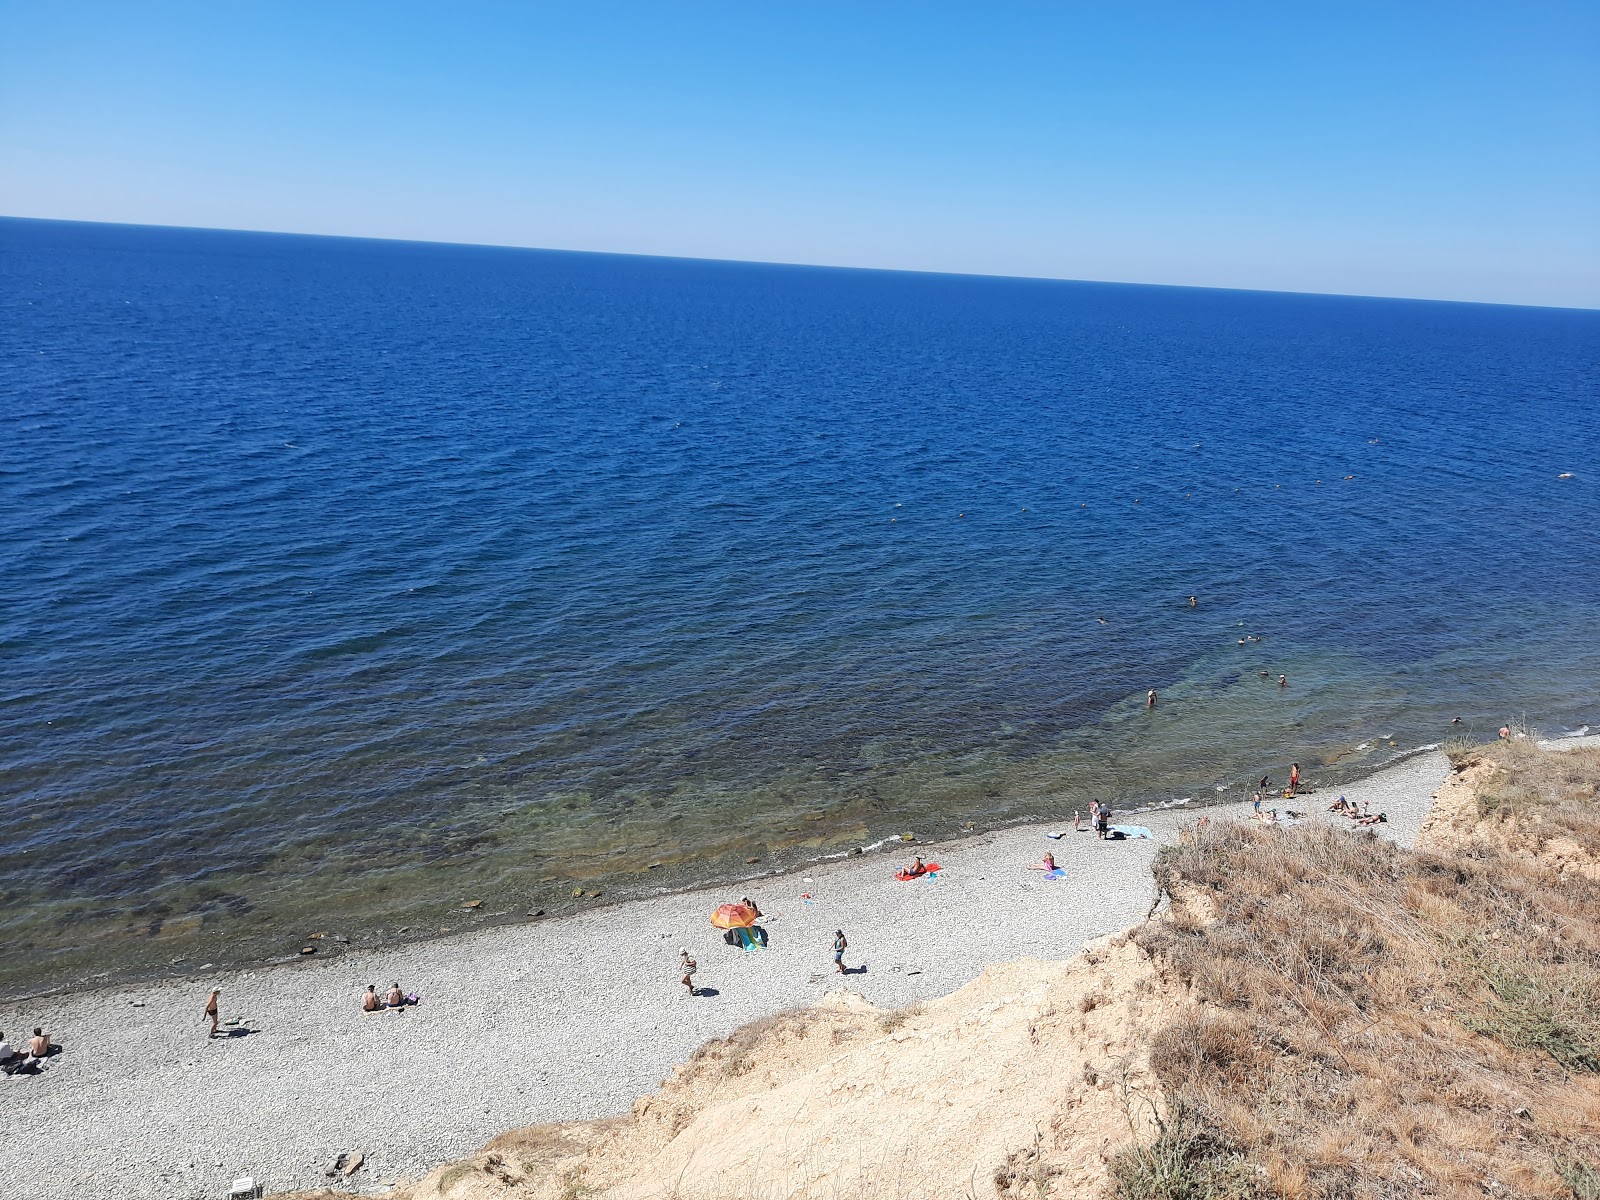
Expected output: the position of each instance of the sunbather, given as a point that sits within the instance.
(1047, 863)
(369, 999)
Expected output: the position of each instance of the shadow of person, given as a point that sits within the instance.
(706, 991)
(859, 970)
(238, 1031)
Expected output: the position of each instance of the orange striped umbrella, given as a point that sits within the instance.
(733, 916)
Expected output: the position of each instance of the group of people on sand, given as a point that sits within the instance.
(29, 1061)
(1361, 814)
(394, 999)
(688, 968)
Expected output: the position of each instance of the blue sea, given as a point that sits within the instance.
(343, 581)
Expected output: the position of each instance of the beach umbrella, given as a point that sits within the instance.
(733, 916)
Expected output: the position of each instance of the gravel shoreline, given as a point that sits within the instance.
(554, 1020)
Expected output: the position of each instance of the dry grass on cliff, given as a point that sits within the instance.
(1375, 1023)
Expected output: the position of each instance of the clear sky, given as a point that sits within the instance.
(1397, 148)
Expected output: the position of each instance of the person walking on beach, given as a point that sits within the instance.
(689, 967)
(211, 1011)
(840, 943)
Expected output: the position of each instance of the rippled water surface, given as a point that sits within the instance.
(343, 580)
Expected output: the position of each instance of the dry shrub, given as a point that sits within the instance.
(1377, 1023)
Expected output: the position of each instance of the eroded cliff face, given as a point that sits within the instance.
(1456, 822)
(1024, 1082)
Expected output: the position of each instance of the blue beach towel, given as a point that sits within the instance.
(1131, 831)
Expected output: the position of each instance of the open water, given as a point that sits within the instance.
(342, 581)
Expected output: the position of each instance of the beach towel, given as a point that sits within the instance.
(905, 876)
(750, 941)
(1131, 831)
(1058, 873)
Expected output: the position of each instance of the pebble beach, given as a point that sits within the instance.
(552, 1020)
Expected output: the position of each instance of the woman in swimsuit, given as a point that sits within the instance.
(369, 1000)
(689, 967)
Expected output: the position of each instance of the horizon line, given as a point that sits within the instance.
(756, 262)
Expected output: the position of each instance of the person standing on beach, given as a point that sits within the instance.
(1102, 821)
(840, 943)
(689, 967)
(1294, 778)
(211, 1011)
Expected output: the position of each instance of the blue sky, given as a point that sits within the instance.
(1445, 150)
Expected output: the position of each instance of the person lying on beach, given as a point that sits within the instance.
(917, 867)
(1373, 820)
(688, 966)
(369, 999)
(23, 1064)
(1339, 805)
(750, 904)
(1047, 863)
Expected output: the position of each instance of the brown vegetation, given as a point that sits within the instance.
(1378, 1023)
